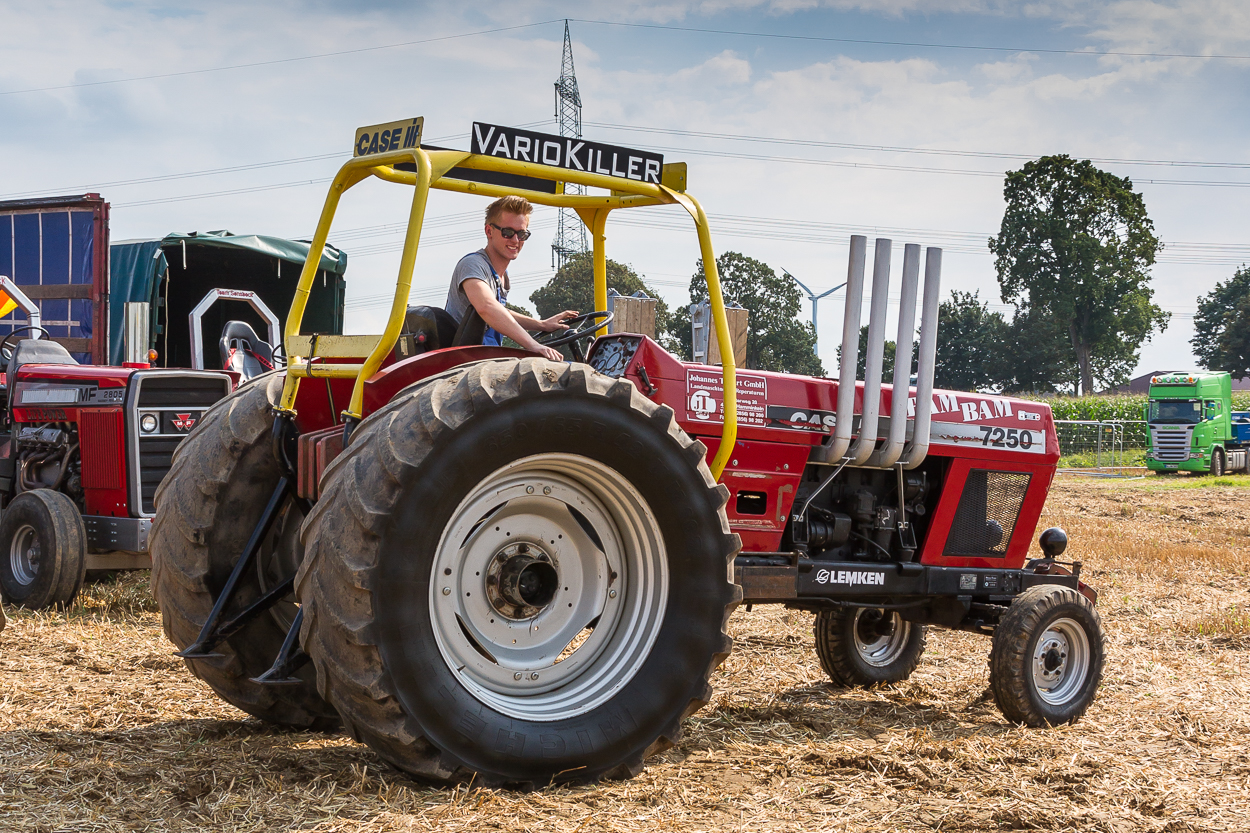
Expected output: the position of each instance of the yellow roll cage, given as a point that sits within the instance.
(305, 353)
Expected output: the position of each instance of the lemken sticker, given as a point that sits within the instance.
(384, 138)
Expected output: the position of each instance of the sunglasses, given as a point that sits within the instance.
(509, 233)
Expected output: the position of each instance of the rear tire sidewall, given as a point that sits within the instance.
(62, 539)
(673, 672)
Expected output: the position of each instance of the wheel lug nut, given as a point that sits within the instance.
(529, 490)
(446, 591)
(546, 490)
(517, 675)
(534, 676)
(611, 594)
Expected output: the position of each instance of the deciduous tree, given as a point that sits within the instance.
(1075, 246)
(1222, 326)
(776, 339)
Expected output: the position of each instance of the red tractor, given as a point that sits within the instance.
(489, 565)
(82, 450)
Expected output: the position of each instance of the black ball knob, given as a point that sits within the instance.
(1053, 542)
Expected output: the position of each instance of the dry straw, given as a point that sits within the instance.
(102, 730)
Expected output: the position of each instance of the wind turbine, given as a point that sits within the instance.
(815, 298)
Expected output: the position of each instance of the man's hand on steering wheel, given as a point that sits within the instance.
(557, 322)
(586, 326)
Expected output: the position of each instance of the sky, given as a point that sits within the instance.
(802, 122)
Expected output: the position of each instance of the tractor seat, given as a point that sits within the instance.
(431, 328)
(36, 351)
(244, 351)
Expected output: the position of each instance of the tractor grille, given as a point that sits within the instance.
(1171, 445)
(156, 455)
(179, 400)
(987, 513)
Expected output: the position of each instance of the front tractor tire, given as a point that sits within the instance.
(222, 475)
(1047, 657)
(43, 550)
(862, 647)
(519, 574)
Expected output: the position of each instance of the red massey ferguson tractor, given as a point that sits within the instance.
(82, 450)
(488, 565)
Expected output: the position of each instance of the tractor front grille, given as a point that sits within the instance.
(987, 513)
(1171, 445)
(178, 399)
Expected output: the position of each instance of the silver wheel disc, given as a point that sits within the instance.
(880, 636)
(24, 555)
(549, 586)
(1061, 662)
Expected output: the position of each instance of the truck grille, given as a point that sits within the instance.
(987, 513)
(1171, 445)
(179, 399)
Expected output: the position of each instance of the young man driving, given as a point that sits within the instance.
(480, 280)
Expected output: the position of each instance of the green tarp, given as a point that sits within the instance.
(138, 267)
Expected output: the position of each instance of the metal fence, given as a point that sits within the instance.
(1106, 441)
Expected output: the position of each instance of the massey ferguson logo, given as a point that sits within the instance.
(849, 577)
(183, 422)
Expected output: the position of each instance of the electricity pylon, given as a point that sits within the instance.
(570, 231)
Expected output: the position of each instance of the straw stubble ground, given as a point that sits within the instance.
(101, 729)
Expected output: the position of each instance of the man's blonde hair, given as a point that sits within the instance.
(511, 204)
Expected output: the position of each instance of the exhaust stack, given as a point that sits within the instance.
(896, 450)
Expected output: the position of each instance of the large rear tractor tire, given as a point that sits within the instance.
(867, 646)
(206, 508)
(1047, 657)
(43, 550)
(518, 573)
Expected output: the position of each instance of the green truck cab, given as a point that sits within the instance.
(1193, 426)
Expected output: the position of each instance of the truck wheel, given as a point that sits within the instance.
(1217, 463)
(206, 508)
(867, 646)
(518, 573)
(44, 556)
(1047, 657)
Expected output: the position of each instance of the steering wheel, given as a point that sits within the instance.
(587, 323)
(6, 350)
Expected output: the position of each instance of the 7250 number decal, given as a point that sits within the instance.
(992, 435)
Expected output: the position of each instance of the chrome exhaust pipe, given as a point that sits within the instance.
(901, 389)
(845, 414)
(873, 355)
(915, 453)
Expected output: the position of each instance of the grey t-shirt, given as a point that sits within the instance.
(477, 266)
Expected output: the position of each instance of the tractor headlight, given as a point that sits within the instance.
(148, 423)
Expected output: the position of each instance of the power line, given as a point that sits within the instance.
(279, 60)
(913, 44)
(736, 137)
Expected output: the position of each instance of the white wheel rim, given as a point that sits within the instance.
(514, 658)
(881, 645)
(24, 553)
(1061, 662)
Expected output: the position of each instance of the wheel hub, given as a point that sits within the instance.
(521, 581)
(880, 636)
(24, 555)
(549, 586)
(1061, 662)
